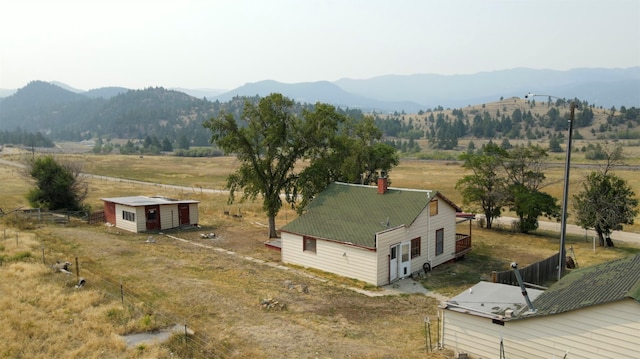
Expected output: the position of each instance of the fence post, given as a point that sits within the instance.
(77, 270)
(494, 276)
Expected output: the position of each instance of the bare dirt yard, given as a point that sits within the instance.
(239, 302)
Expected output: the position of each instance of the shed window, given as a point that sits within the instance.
(309, 244)
(439, 241)
(129, 216)
(433, 207)
(415, 247)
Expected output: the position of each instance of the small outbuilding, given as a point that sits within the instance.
(141, 213)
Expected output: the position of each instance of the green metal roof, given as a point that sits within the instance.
(355, 213)
(599, 284)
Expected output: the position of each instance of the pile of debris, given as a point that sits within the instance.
(302, 288)
(269, 304)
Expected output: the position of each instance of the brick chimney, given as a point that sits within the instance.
(382, 184)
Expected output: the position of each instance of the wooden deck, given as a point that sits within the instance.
(463, 244)
(274, 243)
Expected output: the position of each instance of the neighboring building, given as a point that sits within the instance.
(374, 234)
(140, 213)
(592, 312)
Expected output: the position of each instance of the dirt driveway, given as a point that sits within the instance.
(220, 295)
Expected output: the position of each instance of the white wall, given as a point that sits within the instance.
(169, 217)
(446, 219)
(332, 257)
(599, 332)
(138, 226)
(193, 213)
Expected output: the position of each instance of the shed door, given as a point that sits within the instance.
(183, 213)
(153, 217)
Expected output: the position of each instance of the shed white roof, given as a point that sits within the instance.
(492, 300)
(136, 201)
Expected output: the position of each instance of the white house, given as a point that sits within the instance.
(592, 312)
(374, 234)
(140, 213)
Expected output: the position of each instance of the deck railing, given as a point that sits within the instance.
(463, 244)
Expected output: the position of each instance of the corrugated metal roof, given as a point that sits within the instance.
(355, 213)
(599, 284)
(137, 201)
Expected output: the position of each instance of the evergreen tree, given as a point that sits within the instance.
(58, 186)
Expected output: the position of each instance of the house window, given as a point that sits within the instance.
(129, 216)
(309, 244)
(415, 247)
(433, 207)
(439, 241)
(151, 215)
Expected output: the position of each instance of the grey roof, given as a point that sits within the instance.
(492, 300)
(355, 213)
(603, 283)
(137, 201)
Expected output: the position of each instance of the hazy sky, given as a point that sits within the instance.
(225, 44)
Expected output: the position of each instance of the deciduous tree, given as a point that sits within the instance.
(605, 203)
(283, 154)
(486, 187)
(524, 167)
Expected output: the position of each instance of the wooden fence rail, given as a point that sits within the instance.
(538, 273)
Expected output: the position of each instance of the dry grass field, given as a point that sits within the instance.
(215, 286)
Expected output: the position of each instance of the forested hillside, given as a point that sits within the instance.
(41, 112)
(545, 119)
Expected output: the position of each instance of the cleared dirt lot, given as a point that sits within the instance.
(218, 295)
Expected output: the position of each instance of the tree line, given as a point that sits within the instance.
(24, 138)
(514, 179)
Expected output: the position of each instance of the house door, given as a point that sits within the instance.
(183, 213)
(405, 259)
(393, 262)
(153, 217)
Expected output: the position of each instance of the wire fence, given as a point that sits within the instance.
(187, 342)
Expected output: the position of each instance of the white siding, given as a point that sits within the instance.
(445, 219)
(141, 219)
(193, 213)
(425, 227)
(602, 331)
(347, 261)
(138, 226)
(169, 216)
(385, 241)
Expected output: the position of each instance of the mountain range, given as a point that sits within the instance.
(412, 93)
